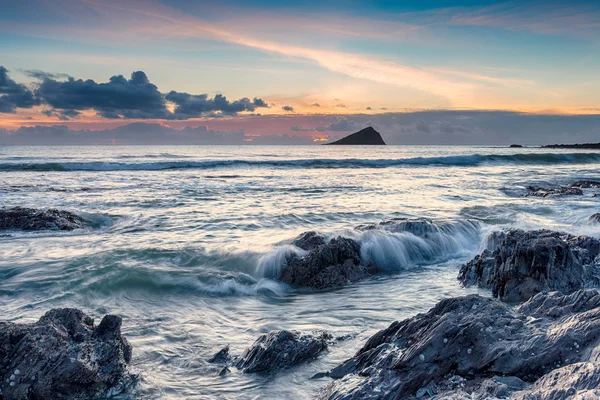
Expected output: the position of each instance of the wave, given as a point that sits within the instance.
(464, 160)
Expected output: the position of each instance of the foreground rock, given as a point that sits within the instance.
(30, 219)
(553, 192)
(524, 263)
(63, 356)
(475, 344)
(282, 349)
(327, 265)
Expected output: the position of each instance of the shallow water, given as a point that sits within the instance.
(184, 241)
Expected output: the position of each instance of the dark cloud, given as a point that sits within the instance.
(191, 106)
(41, 75)
(340, 105)
(14, 95)
(369, 108)
(288, 108)
(315, 105)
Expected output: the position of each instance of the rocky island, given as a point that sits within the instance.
(367, 136)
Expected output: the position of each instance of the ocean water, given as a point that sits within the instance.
(185, 241)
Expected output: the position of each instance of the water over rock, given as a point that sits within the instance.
(479, 346)
(63, 356)
(282, 349)
(586, 184)
(553, 192)
(31, 219)
(594, 218)
(329, 265)
(524, 263)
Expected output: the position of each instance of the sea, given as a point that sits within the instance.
(185, 243)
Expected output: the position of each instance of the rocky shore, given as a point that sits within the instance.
(31, 219)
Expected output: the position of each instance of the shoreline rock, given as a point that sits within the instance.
(31, 219)
(63, 356)
(524, 263)
(553, 192)
(476, 344)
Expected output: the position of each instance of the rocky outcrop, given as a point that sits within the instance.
(482, 346)
(586, 184)
(367, 136)
(525, 263)
(309, 240)
(30, 219)
(282, 349)
(63, 356)
(553, 192)
(325, 266)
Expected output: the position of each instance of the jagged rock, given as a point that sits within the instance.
(560, 191)
(221, 357)
(475, 338)
(574, 381)
(30, 219)
(282, 349)
(63, 356)
(309, 240)
(527, 262)
(326, 266)
(586, 184)
(594, 218)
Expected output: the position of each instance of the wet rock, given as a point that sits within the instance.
(63, 356)
(552, 192)
(282, 349)
(423, 227)
(309, 240)
(221, 357)
(495, 348)
(594, 218)
(326, 266)
(574, 381)
(30, 219)
(586, 184)
(525, 263)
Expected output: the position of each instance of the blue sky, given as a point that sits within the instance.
(350, 57)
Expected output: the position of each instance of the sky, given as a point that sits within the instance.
(422, 72)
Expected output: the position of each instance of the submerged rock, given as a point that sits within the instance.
(586, 184)
(485, 346)
(525, 263)
(31, 219)
(282, 349)
(594, 218)
(559, 191)
(63, 356)
(329, 265)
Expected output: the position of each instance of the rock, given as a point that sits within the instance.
(525, 263)
(221, 357)
(282, 349)
(367, 136)
(552, 192)
(594, 218)
(63, 356)
(326, 266)
(586, 184)
(30, 219)
(513, 146)
(574, 381)
(309, 240)
(495, 348)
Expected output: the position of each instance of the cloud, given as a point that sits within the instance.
(119, 98)
(288, 108)
(369, 108)
(315, 105)
(300, 128)
(342, 125)
(14, 95)
(191, 106)
(340, 105)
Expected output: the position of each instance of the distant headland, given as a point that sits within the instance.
(573, 146)
(367, 136)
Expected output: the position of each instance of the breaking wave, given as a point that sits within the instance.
(466, 160)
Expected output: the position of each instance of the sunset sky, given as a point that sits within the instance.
(291, 68)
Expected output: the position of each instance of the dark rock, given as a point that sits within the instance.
(573, 146)
(221, 357)
(309, 240)
(365, 136)
(282, 349)
(493, 347)
(552, 192)
(527, 262)
(594, 218)
(515, 146)
(326, 266)
(574, 381)
(30, 219)
(63, 356)
(586, 184)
